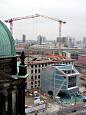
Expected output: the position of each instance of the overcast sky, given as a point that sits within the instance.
(71, 11)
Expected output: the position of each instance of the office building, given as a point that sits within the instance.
(60, 78)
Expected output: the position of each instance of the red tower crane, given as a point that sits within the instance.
(18, 18)
(33, 16)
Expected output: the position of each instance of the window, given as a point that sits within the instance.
(39, 65)
(35, 85)
(64, 71)
(35, 82)
(39, 70)
(38, 81)
(35, 77)
(42, 65)
(71, 81)
(31, 71)
(35, 66)
(38, 84)
(31, 77)
(69, 71)
(73, 71)
(31, 66)
(31, 86)
(35, 70)
(45, 64)
(31, 83)
(38, 76)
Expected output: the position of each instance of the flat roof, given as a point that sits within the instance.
(64, 66)
(49, 61)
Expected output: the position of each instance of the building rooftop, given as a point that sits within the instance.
(49, 61)
(56, 56)
(64, 66)
(67, 69)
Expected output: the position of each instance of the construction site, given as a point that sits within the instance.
(51, 73)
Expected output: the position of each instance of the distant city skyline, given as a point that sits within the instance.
(72, 11)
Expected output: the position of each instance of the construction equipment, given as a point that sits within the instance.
(16, 19)
(37, 15)
(60, 25)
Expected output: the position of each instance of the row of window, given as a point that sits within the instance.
(69, 71)
(39, 65)
(35, 82)
(36, 86)
(35, 77)
(43, 65)
(36, 71)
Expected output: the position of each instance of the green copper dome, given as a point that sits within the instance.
(7, 45)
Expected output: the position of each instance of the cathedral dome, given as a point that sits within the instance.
(7, 45)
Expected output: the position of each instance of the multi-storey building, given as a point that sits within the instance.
(41, 39)
(34, 69)
(84, 42)
(81, 60)
(60, 78)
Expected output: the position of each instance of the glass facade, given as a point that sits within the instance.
(59, 78)
(71, 81)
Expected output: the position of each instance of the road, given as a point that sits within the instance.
(81, 113)
(67, 111)
(73, 109)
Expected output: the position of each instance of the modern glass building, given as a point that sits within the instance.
(60, 79)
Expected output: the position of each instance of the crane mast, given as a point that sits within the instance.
(60, 25)
(37, 15)
(16, 19)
